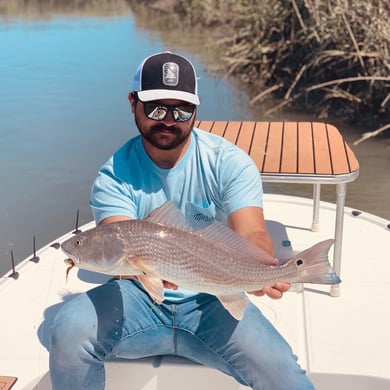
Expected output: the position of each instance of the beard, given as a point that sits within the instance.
(163, 137)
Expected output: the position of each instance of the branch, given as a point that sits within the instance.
(347, 80)
(294, 83)
(353, 39)
(371, 134)
(264, 93)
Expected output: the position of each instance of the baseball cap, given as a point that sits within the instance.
(166, 76)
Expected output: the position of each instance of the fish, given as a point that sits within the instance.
(214, 260)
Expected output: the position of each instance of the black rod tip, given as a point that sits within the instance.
(76, 229)
(34, 258)
(14, 274)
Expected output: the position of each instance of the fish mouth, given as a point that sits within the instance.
(71, 261)
(71, 258)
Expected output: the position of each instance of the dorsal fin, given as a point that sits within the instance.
(219, 232)
(168, 214)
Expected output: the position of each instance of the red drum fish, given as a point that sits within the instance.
(213, 260)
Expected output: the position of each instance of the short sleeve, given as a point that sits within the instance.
(110, 196)
(241, 182)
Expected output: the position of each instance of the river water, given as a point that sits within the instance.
(64, 80)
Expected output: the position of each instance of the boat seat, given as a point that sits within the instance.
(297, 152)
(165, 372)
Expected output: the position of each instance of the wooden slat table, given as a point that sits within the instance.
(297, 152)
(6, 382)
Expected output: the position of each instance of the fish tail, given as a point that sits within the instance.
(313, 265)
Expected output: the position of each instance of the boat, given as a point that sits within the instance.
(342, 342)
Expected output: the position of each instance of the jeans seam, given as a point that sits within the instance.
(134, 333)
(223, 357)
(174, 326)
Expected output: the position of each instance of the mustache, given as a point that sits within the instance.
(159, 127)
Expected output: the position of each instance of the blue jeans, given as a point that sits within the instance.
(118, 319)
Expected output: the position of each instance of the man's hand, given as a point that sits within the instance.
(249, 222)
(274, 292)
(170, 285)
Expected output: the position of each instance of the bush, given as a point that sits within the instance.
(332, 57)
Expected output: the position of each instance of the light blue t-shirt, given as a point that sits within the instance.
(212, 180)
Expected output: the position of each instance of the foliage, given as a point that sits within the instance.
(330, 56)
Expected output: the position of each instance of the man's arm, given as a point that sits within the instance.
(115, 218)
(249, 222)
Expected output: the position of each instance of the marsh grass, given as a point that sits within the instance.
(331, 57)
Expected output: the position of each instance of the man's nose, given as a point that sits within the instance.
(169, 120)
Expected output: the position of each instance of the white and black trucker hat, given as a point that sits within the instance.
(166, 76)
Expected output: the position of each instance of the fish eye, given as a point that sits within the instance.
(299, 262)
(78, 242)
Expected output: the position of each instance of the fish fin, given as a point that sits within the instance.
(219, 232)
(235, 304)
(313, 265)
(149, 279)
(169, 214)
(153, 286)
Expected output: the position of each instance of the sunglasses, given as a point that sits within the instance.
(158, 112)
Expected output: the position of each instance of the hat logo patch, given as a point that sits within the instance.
(170, 74)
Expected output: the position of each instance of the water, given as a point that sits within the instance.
(64, 81)
(63, 111)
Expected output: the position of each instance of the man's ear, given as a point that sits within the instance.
(133, 100)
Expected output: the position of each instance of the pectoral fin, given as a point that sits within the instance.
(235, 304)
(150, 280)
(153, 286)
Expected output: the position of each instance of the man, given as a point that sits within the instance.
(209, 179)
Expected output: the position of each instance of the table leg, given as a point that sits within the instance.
(315, 225)
(341, 190)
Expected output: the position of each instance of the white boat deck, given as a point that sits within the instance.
(342, 342)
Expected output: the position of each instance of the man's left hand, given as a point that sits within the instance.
(274, 292)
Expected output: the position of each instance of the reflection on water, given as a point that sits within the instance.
(42, 9)
(63, 110)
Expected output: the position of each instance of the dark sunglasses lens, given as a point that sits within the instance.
(183, 113)
(158, 112)
(155, 111)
